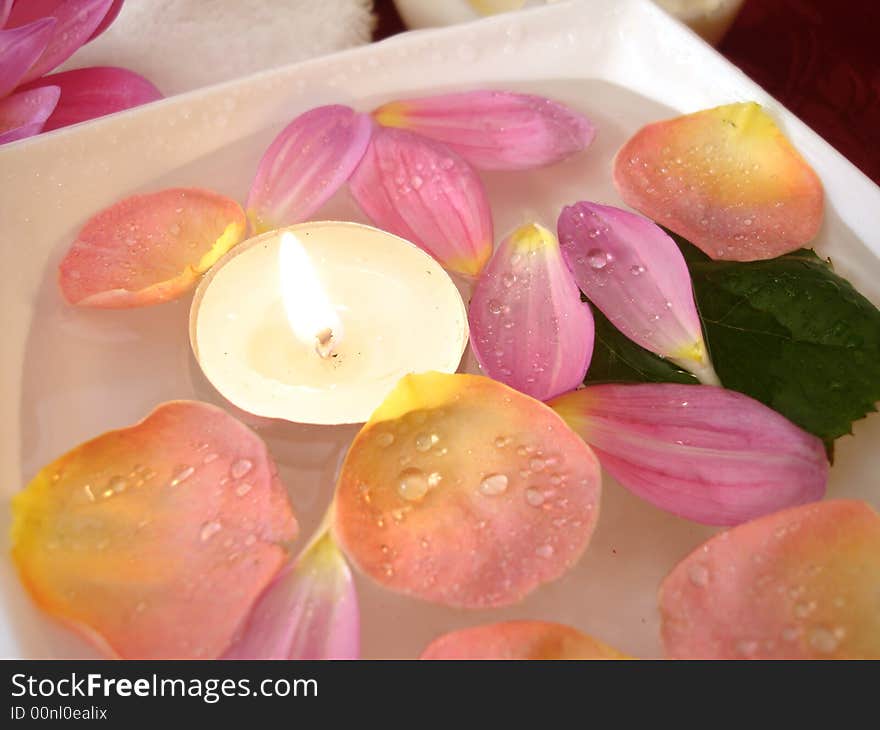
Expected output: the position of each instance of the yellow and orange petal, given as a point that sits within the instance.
(519, 640)
(803, 583)
(727, 179)
(154, 541)
(151, 248)
(463, 491)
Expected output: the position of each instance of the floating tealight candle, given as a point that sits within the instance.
(317, 322)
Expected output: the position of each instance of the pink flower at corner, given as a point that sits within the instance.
(36, 36)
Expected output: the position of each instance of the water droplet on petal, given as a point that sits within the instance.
(243, 488)
(495, 306)
(493, 485)
(698, 574)
(385, 439)
(597, 259)
(412, 484)
(209, 529)
(117, 485)
(534, 497)
(182, 475)
(822, 639)
(544, 551)
(240, 468)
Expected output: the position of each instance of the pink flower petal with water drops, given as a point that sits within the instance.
(528, 326)
(494, 130)
(24, 113)
(705, 453)
(155, 540)
(539, 640)
(76, 20)
(150, 248)
(422, 191)
(798, 584)
(631, 270)
(19, 48)
(306, 164)
(309, 612)
(727, 179)
(87, 93)
(462, 491)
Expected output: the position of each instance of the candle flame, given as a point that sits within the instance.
(309, 311)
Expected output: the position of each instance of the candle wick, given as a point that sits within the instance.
(324, 343)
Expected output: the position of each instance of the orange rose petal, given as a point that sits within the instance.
(803, 583)
(155, 540)
(519, 640)
(726, 179)
(151, 248)
(462, 491)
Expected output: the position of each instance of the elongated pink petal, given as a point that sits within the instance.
(87, 93)
(529, 328)
(23, 114)
(305, 164)
(422, 191)
(111, 15)
(705, 453)
(155, 540)
(309, 612)
(19, 48)
(803, 583)
(494, 130)
(148, 249)
(463, 491)
(5, 10)
(519, 640)
(76, 20)
(634, 273)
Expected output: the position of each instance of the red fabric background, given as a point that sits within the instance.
(821, 58)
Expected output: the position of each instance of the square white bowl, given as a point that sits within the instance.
(67, 375)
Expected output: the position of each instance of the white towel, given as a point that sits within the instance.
(183, 44)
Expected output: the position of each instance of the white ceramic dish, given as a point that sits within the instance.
(67, 375)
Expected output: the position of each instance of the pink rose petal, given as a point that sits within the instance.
(529, 328)
(76, 20)
(631, 270)
(707, 454)
(87, 93)
(540, 640)
(154, 540)
(465, 492)
(494, 130)
(305, 164)
(803, 583)
(422, 191)
(19, 48)
(5, 9)
(148, 249)
(726, 179)
(309, 612)
(23, 114)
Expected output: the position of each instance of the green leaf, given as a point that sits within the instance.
(794, 335)
(789, 332)
(617, 359)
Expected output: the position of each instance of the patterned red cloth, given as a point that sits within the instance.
(821, 58)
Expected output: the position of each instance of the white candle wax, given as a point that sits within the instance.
(355, 310)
